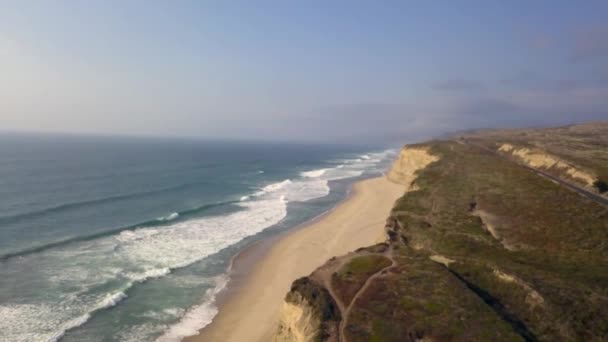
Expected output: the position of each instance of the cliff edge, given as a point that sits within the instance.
(410, 160)
(479, 248)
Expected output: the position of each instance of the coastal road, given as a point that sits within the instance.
(584, 192)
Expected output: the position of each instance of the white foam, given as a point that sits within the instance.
(111, 300)
(168, 313)
(51, 323)
(343, 174)
(149, 274)
(313, 173)
(134, 256)
(297, 191)
(17, 322)
(169, 217)
(276, 186)
(196, 317)
(183, 243)
(140, 332)
(71, 324)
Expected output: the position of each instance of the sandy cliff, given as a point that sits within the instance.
(543, 160)
(479, 249)
(410, 160)
(307, 307)
(309, 313)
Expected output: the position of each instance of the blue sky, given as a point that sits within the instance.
(287, 70)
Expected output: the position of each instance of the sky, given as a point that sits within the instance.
(326, 71)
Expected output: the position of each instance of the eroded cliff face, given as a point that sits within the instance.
(545, 161)
(479, 249)
(297, 323)
(309, 313)
(410, 160)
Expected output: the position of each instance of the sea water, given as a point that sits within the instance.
(130, 239)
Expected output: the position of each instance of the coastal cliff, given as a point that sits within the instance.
(309, 313)
(410, 160)
(575, 153)
(545, 161)
(478, 248)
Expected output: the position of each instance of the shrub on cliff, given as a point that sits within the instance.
(601, 186)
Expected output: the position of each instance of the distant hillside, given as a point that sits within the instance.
(483, 247)
(578, 153)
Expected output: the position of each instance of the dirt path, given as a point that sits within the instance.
(345, 311)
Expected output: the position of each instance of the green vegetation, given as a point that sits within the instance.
(551, 241)
(420, 299)
(368, 264)
(584, 145)
(351, 277)
(487, 250)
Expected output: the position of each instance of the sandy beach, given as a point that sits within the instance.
(251, 309)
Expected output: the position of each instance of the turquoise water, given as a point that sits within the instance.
(129, 239)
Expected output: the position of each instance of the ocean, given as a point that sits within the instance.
(130, 239)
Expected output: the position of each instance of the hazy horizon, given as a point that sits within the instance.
(341, 72)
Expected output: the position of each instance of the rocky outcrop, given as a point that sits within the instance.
(410, 160)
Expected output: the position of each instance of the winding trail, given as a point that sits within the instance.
(346, 309)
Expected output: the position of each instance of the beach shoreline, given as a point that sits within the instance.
(262, 273)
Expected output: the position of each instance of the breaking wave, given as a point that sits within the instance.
(135, 254)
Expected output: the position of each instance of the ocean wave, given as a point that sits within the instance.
(170, 313)
(17, 320)
(154, 249)
(276, 186)
(196, 317)
(169, 217)
(314, 183)
(149, 274)
(81, 204)
(297, 190)
(155, 222)
(133, 256)
(313, 173)
(111, 300)
(343, 174)
(71, 324)
(348, 168)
